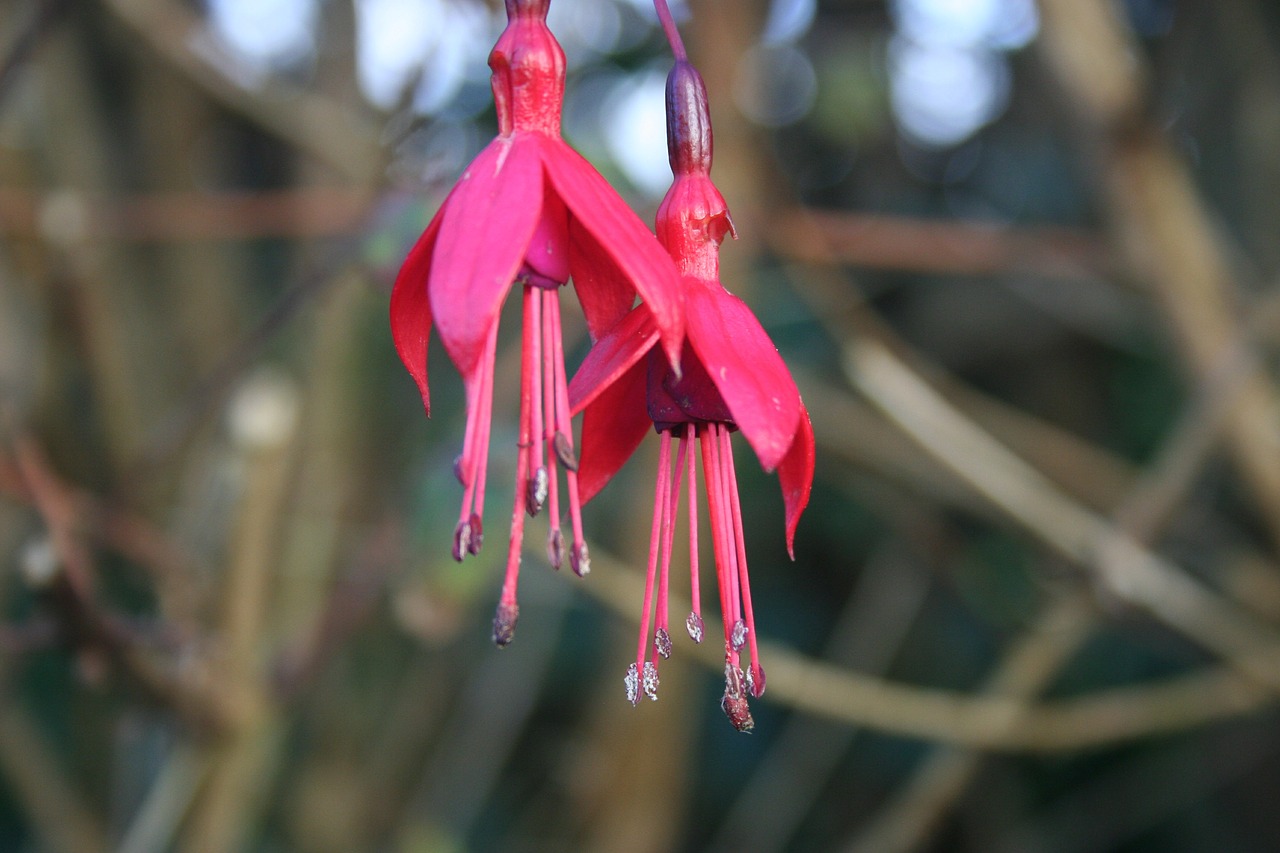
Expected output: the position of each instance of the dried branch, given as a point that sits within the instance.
(1163, 225)
(58, 817)
(956, 248)
(312, 123)
(298, 213)
(1126, 569)
(987, 722)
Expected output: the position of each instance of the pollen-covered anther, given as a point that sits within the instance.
(536, 491)
(738, 712)
(693, 624)
(632, 682)
(555, 549)
(662, 643)
(504, 624)
(755, 680)
(579, 559)
(461, 540)
(564, 451)
(738, 636)
(650, 680)
(477, 534)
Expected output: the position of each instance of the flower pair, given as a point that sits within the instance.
(690, 360)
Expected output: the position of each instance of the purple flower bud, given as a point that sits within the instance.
(689, 141)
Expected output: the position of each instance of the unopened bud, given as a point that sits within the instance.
(689, 140)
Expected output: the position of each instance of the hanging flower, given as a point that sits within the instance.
(529, 211)
(733, 380)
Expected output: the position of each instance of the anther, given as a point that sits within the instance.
(693, 624)
(650, 680)
(738, 712)
(461, 540)
(755, 680)
(564, 451)
(457, 470)
(662, 643)
(632, 681)
(555, 549)
(504, 624)
(477, 534)
(536, 491)
(738, 636)
(579, 559)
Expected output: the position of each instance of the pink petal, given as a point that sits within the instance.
(411, 310)
(485, 230)
(745, 367)
(612, 428)
(619, 234)
(612, 356)
(795, 475)
(602, 288)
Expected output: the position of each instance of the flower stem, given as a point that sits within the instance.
(669, 29)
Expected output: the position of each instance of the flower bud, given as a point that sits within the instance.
(688, 121)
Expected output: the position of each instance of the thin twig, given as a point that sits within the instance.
(309, 121)
(988, 722)
(1127, 570)
(955, 248)
(1163, 223)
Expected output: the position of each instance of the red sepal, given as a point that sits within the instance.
(485, 231)
(411, 309)
(746, 369)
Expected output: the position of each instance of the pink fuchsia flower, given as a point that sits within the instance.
(527, 211)
(733, 380)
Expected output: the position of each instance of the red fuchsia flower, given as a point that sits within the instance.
(733, 380)
(528, 211)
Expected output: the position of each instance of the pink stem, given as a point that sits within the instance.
(744, 581)
(563, 424)
(691, 476)
(669, 28)
(659, 508)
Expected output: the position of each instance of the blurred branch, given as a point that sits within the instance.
(914, 814)
(297, 213)
(1163, 226)
(264, 422)
(27, 34)
(987, 722)
(915, 811)
(938, 246)
(58, 817)
(310, 122)
(1129, 571)
(186, 693)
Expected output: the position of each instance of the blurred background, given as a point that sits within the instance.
(1020, 256)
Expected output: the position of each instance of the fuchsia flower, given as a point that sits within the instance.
(733, 379)
(530, 211)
